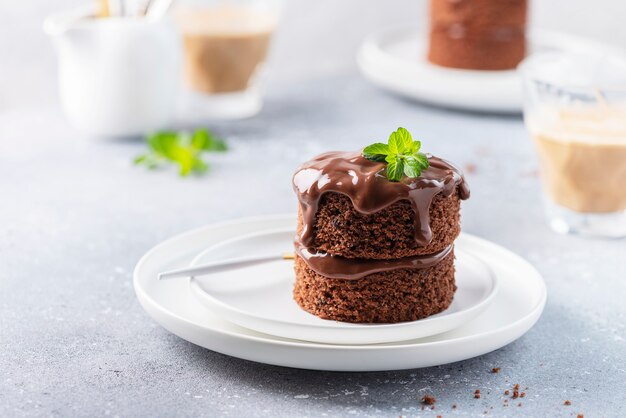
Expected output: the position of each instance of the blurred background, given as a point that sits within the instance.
(310, 41)
(77, 214)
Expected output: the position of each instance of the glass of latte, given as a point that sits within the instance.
(575, 112)
(225, 45)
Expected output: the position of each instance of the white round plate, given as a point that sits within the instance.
(395, 59)
(261, 297)
(515, 309)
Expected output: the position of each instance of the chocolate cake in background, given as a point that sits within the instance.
(371, 250)
(478, 34)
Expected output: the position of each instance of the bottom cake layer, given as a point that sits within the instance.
(393, 296)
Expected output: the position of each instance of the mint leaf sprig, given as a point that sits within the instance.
(181, 148)
(400, 153)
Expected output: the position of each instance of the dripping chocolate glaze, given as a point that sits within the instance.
(353, 268)
(365, 183)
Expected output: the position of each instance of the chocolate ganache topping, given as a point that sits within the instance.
(366, 184)
(353, 268)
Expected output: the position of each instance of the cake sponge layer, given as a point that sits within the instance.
(341, 230)
(388, 297)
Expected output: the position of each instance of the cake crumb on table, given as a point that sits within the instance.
(580, 416)
(567, 402)
(429, 400)
(477, 394)
(495, 370)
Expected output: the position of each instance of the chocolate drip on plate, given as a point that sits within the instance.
(365, 183)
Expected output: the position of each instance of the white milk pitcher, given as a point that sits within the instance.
(117, 76)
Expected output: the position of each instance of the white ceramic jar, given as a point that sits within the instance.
(117, 76)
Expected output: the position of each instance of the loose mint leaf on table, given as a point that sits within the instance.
(181, 148)
(400, 153)
(204, 140)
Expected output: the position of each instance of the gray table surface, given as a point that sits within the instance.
(76, 216)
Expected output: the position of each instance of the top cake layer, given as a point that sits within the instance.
(356, 231)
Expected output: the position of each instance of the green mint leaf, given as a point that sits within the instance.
(401, 154)
(169, 148)
(376, 151)
(412, 167)
(184, 157)
(396, 143)
(200, 139)
(180, 148)
(422, 160)
(162, 142)
(204, 140)
(395, 168)
(378, 158)
(404, 136)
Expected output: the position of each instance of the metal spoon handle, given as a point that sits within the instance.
(222, 265)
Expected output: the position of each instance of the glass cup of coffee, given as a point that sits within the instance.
(225, 45)
(575, 112)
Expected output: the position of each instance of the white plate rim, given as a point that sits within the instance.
(145, 299)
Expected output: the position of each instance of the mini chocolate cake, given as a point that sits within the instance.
(478, 34)
(372, 250)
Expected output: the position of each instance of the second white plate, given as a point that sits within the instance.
(395, 60)
(260, 297)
